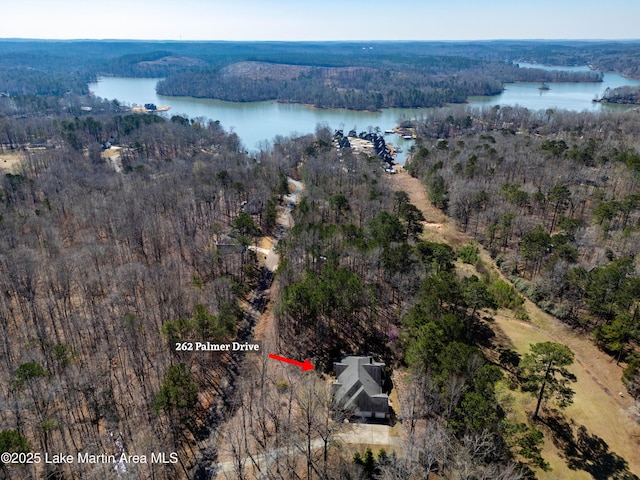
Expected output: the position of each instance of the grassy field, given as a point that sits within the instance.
(595, 437)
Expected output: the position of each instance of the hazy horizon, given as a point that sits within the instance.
(331, 20)
(372, 40)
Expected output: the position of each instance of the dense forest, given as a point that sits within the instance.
(101, 271)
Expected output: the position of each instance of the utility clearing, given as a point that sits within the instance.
(598, 436)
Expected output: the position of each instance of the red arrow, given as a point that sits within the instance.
(306, 365)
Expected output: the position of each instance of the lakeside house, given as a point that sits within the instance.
(359, 386)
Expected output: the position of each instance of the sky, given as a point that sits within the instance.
(299, 20)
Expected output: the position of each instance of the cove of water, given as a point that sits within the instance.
(568, 96)
(258, 123)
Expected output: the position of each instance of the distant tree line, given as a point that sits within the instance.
(27, 81)
(408, 74)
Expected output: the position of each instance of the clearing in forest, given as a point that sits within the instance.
(9, 161)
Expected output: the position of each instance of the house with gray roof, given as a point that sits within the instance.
(359, 386)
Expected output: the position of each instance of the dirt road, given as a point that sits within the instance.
(359, 434)
(264, 330)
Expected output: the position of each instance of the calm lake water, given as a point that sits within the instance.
(567, 96)
(257, 123)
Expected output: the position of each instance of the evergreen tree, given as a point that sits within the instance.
(544, 370)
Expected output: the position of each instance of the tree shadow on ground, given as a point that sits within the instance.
(509, 359)
(585, 451)
(481, 333)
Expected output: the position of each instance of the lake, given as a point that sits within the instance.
(257, 123)
(567, 96)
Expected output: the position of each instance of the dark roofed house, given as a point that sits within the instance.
(358, 388)
(253, 206)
